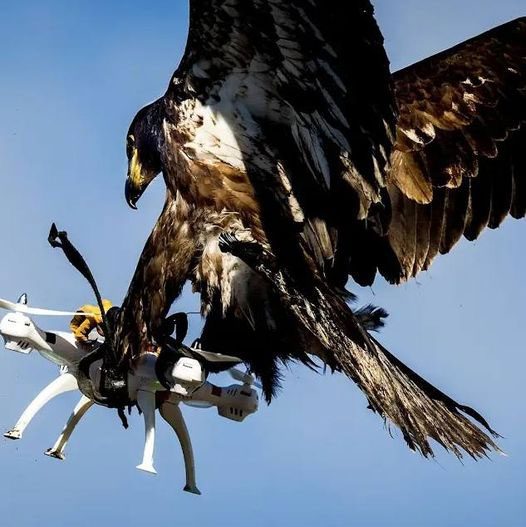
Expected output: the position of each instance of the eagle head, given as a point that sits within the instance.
(143, 144)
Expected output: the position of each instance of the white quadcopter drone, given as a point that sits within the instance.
(185, 382)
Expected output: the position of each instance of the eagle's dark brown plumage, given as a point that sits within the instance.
(293, 159)
(458, 164)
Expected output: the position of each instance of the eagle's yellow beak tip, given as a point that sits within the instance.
(131, 194)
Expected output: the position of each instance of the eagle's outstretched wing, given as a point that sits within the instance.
(316, 71)
(459, 163)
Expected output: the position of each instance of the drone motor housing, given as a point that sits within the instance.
(235, 402)
(20, 334)
(17, 330)
(240, 401)
(188, 375)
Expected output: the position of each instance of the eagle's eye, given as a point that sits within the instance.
(130, 145)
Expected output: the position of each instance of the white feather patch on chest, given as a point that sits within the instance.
(215, 138)
(226, 125)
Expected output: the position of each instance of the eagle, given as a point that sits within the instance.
(294, 161)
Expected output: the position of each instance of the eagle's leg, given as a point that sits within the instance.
(64, 383)
(420, 409)
(57, 450)
(172, 414)
(146, 402)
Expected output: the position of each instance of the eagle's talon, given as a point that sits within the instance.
(227, 242)
(248, 251)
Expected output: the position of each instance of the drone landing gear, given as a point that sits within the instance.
(57, 450)
(172, 414)
(64, 383)
(146, 402)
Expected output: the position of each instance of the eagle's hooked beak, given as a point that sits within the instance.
(135, 183)
(132, 194)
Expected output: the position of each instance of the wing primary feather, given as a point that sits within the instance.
(480, 203)
(502, 195)
(455, 217)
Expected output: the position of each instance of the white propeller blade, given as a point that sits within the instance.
(198, 404)
(245, 378)
(216, 357)
(21, 308)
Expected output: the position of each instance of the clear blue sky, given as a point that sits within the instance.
(73, 74)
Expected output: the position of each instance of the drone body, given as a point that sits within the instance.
(187, 378)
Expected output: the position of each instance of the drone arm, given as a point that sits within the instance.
(57, 450)
(172, 414)
(146, 401)
(64, 383)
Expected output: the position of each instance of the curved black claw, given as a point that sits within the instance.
(113, 390)
(85, 385)
(177, 323)
(228, 242)
(249, 252)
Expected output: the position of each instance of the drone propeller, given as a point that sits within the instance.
(244, 377)
(198, 404)
(24, 308)
(216, 357)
